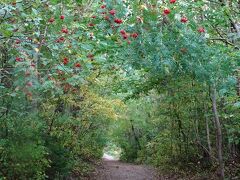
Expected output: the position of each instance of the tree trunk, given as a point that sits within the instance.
(208, 137)
(238, 82)
(208, 131)
(135, 135)
(219, 133)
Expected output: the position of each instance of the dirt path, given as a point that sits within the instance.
(115, 170)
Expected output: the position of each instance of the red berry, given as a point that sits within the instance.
(166, 11)
(103, 13)
(29, 84)
(118, 21)
(27, 73)
(65, 61)
(65, 30)
(90, 56)
(129, 42)
(94, 17)
(103, 6)
(134, 35)
(18, 59)
(107, 18)
(112, 12)
(125, 36)
(33, 65)
(122, 31)
(201, 30)
(18, 41)
(91, 24)
(61, 39)
(78, 65)
(62, 17)
(184, 19)
(172, 1)
(51, 20)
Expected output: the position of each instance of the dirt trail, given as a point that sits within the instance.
(115, 170)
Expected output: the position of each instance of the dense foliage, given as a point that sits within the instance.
(53, 122)
(166, 71)
(191, 121)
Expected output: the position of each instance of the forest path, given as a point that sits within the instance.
(116, 170)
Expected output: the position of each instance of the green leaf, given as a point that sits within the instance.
(87, 47)
(237, 104)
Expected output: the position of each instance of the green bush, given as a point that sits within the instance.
(23, 154)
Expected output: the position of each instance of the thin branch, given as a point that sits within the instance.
(225, 41)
